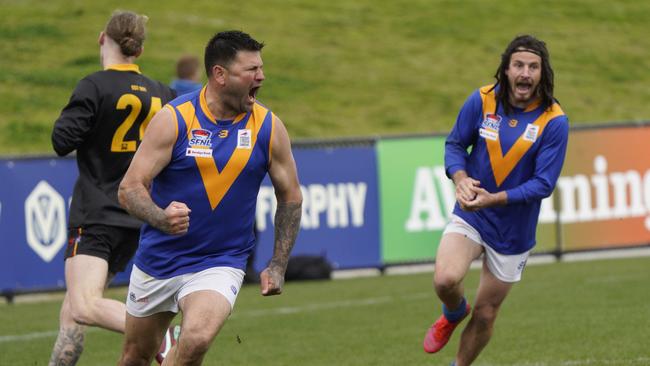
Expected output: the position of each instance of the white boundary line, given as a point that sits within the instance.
(35, 335)
(354, 273)
(28, 336)
(249, 313)
(606, 254)
(394, 270)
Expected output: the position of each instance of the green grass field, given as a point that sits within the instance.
(581, 313)
(337, 67)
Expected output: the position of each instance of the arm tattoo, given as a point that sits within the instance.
(140, 205)
(68, 347)
(287, 223)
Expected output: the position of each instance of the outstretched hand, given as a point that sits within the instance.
(271, 281)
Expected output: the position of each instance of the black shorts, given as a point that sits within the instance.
(116, 245)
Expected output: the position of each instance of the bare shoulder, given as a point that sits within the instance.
(162, 130)
(157, 144)
(280, 129)
(281, 142)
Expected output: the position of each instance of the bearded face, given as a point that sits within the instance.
(524, 73)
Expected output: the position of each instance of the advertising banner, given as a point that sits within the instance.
(339, 212)
(604, 189)
(34, 202)
(416, 197)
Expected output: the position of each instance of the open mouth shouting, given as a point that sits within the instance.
(252, 94)
(524, 88)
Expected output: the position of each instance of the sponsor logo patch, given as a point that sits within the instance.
(488, 134)
(244, 139)
(198, 152)
(142, 300)
(200, 137)
(521, 265)
(531, 132)
(200, 143)
(490, 127)
(138, 88)
(45, 221)
(491, 122)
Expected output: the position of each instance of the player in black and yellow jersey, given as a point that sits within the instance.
(104, 122)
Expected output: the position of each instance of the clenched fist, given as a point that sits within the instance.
(177, 219)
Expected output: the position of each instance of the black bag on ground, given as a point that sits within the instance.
(308, 267)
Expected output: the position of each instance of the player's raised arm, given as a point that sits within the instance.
(287, 217)
(152, 156)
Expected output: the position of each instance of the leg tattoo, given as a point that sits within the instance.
(68, 347)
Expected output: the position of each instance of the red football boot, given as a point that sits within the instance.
(440, 332)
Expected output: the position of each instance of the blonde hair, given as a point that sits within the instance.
(127, 29)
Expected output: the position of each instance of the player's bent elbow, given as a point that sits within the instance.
(122, 196)
(61, 149)
(546, 192)
(297, 197)
(296, 194)
(293, 196)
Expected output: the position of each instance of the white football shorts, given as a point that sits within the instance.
(507, 268)
(148, 296)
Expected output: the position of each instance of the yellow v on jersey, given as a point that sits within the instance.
(521, 153)
(216, 169)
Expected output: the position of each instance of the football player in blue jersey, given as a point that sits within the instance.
(194, 181)
(516, 134)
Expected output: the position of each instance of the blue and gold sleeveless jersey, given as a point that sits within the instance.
(216, 169)
(521, 154)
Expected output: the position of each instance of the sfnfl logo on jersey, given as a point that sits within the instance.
(490, 127)
(45, 221)
(200, 137)
(491, 122)
(200, 144)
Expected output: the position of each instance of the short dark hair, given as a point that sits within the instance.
(223, 47)
(526, 43)
(187, 67)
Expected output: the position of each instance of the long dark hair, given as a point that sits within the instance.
(526, 43)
